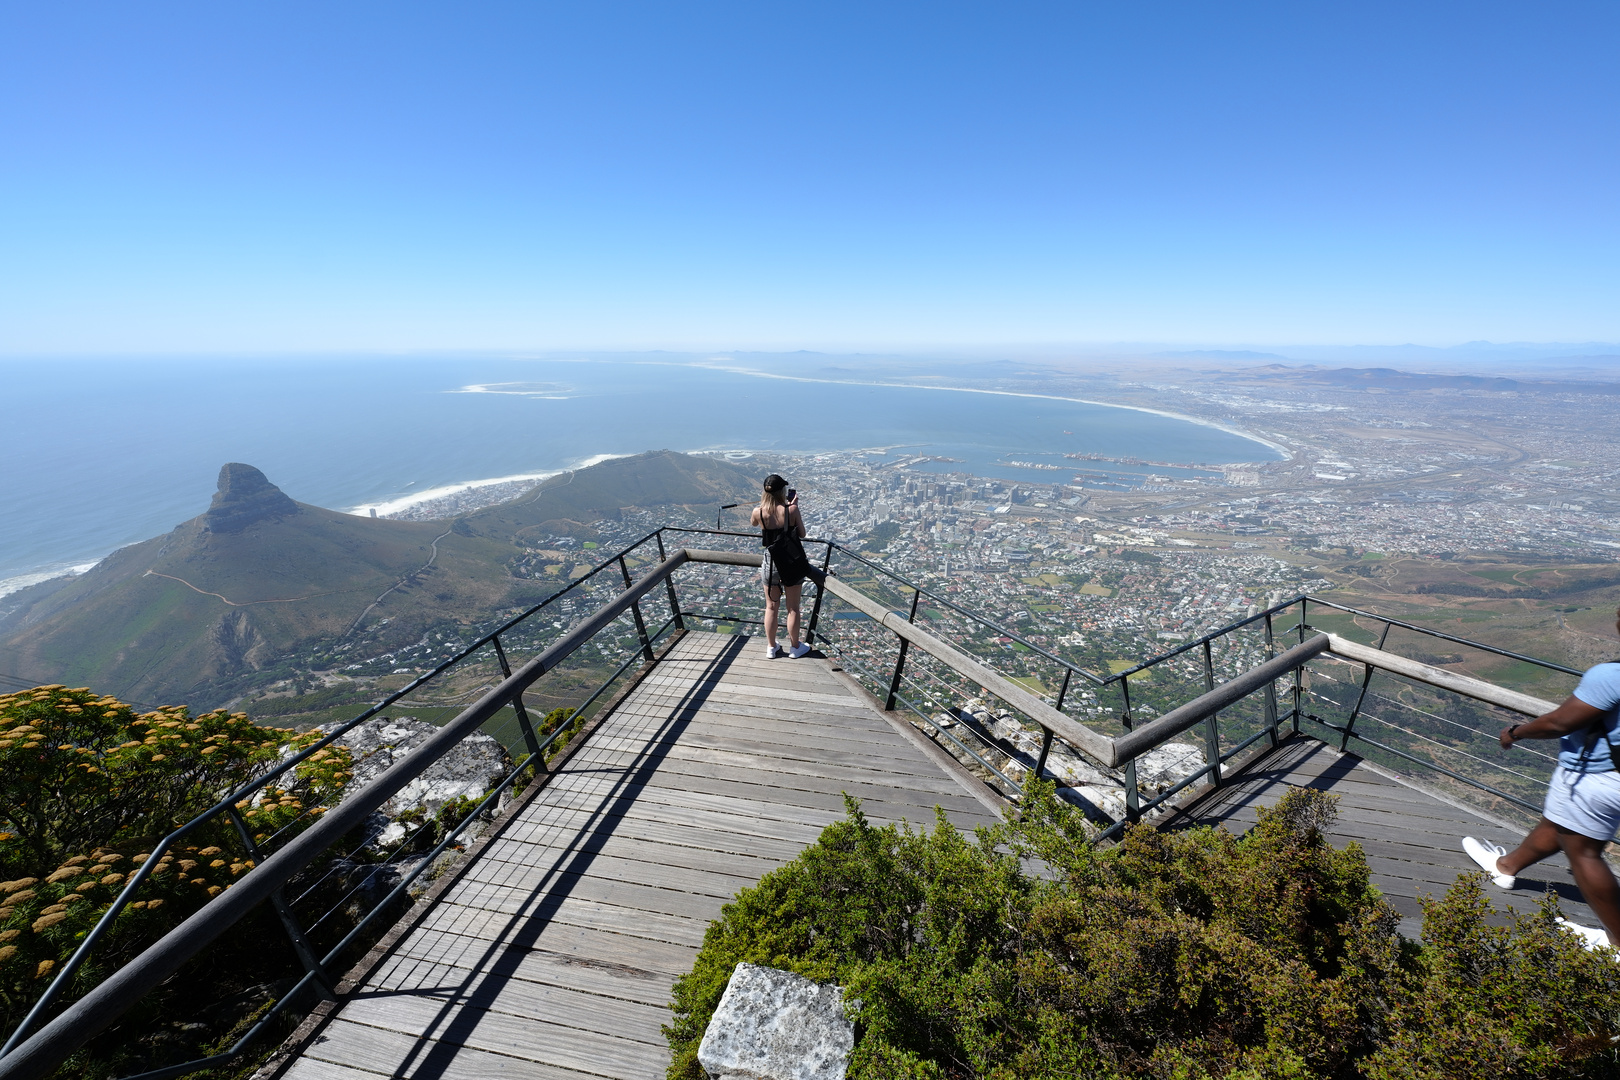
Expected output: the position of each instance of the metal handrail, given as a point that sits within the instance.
(259, 782)
(44, 1050)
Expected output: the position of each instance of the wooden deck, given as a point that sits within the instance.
(553, 954)
(1412, 839)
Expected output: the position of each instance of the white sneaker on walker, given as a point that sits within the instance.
(1486, 855)
(1592, 937)
(799, 650)
(772, 651)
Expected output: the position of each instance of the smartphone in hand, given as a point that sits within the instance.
(793, 494)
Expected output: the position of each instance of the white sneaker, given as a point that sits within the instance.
(1486, 855)
(799, 650)
(1592, 937)
(772, 651)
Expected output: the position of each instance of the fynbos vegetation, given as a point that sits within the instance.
(87, 788)
(1028, 953)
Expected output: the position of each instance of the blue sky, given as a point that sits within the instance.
(406, 176)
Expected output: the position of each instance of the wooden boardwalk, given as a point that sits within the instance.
(1412, 839)
(553, 954)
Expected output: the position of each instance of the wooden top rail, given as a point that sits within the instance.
(1116, 751)
(1465, 685)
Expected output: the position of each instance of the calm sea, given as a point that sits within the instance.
(101, 454)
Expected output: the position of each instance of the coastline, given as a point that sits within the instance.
(39, 577)
(1230, 429)
(447, 500)
(399, 506)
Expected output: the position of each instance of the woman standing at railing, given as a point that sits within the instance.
(782, 571)
(1582, 811)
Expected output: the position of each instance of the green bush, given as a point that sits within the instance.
(1028, 953)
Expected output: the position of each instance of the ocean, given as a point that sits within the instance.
(99, 454)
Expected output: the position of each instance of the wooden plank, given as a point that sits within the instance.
(748, 867)
(572, 910)
(806, 808)
(722, 830)
(309, 1068)
(391, 1053)
(735, 761)
(680, 879)
(649, 985)
(549, 1043)
(626, 894)
(635, 826)
(447, 988)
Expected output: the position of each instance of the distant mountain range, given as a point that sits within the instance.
(1393, 379)
(192, 616)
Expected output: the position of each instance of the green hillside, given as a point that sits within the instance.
(216, 606)
(569, 503)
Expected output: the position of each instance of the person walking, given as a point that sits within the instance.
(777, 516)
(1582, 809)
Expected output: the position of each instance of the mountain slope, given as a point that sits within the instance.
(197, 615)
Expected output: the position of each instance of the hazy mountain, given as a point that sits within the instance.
(193, 615)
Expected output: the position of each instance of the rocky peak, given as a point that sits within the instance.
(245, 498)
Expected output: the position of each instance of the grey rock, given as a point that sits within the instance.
(245, 497)
(468, 770)
(775, 1025)
(1156, 771)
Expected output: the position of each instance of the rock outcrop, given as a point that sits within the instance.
(245, 497)
(775, 1025)
(1098, 789)
(469, 769)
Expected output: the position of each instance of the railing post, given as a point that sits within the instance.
(1366, 680)
(900, 661)
(1133, 798)
(1212, 723)
(821, 587)
(278, 900)
(530, 739)
(1299, 672)
(1271, 687)
(635, 611)
(1046, 732)
(669, 582)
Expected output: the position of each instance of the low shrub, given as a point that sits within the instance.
(1025, 952)
(87, 788)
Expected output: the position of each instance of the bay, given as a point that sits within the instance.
(102, 453)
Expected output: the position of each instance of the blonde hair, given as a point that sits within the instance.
(773, 495)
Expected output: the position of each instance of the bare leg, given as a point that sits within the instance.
(1592, 874)
(1542, 842)
(773, 604)
(793, 593)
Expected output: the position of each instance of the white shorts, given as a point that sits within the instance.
(1585, 803)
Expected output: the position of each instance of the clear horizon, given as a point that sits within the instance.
(1028, 179)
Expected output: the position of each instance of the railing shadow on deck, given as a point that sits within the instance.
(1244, 687)
(500, 961)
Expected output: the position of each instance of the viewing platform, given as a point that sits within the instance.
(553, 952)
(550, 947)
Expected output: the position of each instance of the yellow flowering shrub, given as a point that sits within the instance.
(79, 770)
(88, 787)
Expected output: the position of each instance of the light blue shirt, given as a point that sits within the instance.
(1599, 688)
